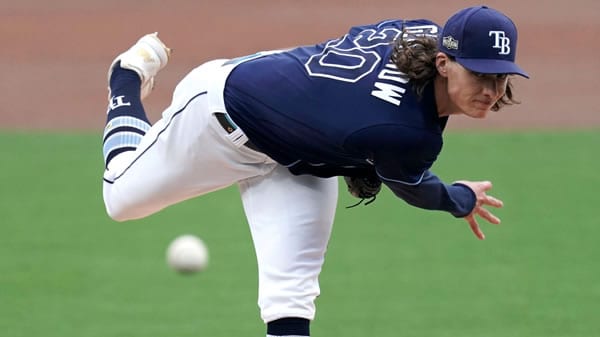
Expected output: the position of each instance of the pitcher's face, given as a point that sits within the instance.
(473, 94)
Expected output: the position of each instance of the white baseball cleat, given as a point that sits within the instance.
(146, 57)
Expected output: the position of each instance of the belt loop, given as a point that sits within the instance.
(237, 136)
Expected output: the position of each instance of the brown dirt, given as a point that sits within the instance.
(55, 53)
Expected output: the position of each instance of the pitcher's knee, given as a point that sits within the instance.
(115, 211)
(120, 208)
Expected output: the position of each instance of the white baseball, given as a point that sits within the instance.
(187, 254)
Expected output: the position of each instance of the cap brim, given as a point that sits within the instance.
(489, 66)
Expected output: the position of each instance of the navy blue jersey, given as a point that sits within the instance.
(342, 108)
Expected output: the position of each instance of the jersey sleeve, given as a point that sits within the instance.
(431, 193)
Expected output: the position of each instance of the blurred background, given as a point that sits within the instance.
(56, 54)
(66, 269)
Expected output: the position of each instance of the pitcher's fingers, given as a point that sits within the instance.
(486, 185)
(489, 200)
(475, 227)
(487, 215)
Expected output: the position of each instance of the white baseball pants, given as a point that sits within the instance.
(187, 154)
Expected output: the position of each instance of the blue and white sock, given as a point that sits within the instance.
(126, 121)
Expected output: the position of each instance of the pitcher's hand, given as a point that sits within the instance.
(480, 188)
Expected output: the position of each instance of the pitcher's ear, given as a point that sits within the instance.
(441, 63)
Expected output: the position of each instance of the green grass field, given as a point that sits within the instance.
(66, 269)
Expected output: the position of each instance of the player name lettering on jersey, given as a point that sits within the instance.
(390, 85)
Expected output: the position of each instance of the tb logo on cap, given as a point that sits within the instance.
(500, 41)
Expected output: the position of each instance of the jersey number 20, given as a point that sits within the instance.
(351, 58)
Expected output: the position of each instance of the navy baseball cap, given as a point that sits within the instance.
(482, 40)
